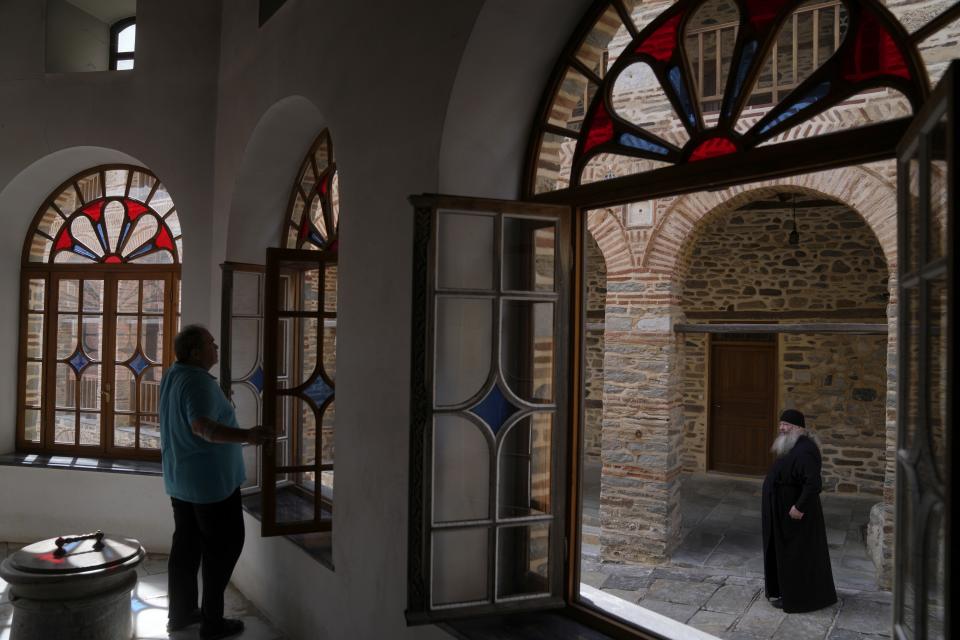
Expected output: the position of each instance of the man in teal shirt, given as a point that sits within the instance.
(200, 444)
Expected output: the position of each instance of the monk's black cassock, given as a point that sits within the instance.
(796, 561)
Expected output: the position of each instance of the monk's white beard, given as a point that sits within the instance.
(784, 443)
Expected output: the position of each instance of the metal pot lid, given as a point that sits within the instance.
(75, 554)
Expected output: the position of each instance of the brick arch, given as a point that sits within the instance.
(611, 236)
(865, 190)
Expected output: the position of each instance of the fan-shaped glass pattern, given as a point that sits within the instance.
(658, 84)
(108, 216)
(314, 212)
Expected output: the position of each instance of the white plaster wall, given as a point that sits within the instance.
(75, 40)
(36, 504)
(505, 67)
(162, 116)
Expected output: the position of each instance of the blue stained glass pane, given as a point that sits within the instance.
(102, 236)
(78, 362)
(81, 250)
(257, 379)
(818, 92)
(316, 239)
(630, 140)
(494, 409)
(142, 250)
(139, 363)
(319, 391)
(746, 60)
(124, 230)
(676, 81)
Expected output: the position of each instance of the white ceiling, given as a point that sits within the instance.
(108, 11)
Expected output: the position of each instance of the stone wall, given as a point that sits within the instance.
(839, 382)
(742, 261)
(695, 378)
(595, 275)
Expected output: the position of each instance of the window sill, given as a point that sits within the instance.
(79, 463)
(317, 545)
(563, 625)
(538, 625)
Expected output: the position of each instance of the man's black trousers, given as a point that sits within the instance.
(210, 535)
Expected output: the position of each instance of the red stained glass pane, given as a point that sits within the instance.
(134, 209)
(163, 240)
(661, 43)
(94, 210)
(304, 229)
(762, 12)
(601, 128)
(712, 148)
(325, 185)
(874, 53)
(65, 241)
(112, 260)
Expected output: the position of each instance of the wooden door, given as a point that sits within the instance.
(743, 396)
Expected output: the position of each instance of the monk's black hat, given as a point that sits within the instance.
(793, 417)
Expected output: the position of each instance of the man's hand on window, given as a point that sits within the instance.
(260, 434)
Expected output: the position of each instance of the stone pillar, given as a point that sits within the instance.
(642, 421)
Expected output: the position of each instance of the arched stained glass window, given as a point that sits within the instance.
(99, 308)
(646, 85)
(314, 211)
(109, 216)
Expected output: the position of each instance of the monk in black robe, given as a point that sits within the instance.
(796, 561)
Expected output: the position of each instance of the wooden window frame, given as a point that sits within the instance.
(110, 275)
(753, 158)
(271, 407)
(919, 482)
(115, 55)
(49, 272)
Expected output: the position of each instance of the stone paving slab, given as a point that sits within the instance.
(629, 596)
(801, 628)
(593, 578)
(712, 621)
(761, 619)
(679, 612)
(846, 634)
(681, 591)
(626, 582)
(731, 598)
(864, 616)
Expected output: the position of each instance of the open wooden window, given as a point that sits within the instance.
(100, 305)
(291, 305)
(927, 266)
(489, 406)
(300, 311)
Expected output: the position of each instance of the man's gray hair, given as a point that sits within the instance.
(189, 339)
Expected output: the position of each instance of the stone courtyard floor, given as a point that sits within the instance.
(714, 580)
